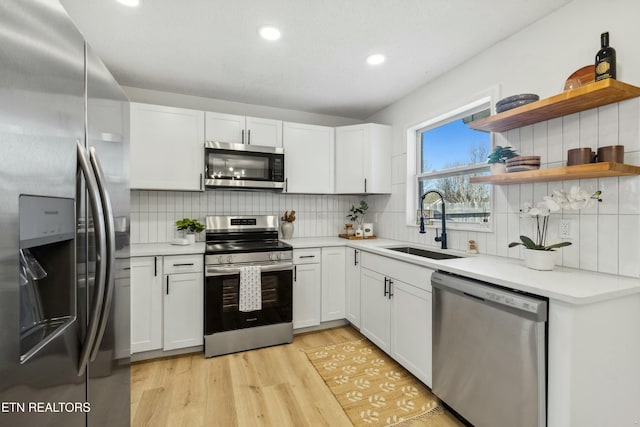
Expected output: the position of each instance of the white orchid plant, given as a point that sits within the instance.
(576, 199)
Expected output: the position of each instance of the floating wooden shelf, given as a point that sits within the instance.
(572, 101)
(588, 171)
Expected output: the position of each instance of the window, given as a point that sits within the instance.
(447, 154)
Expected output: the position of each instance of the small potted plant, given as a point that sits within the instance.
(356, 215)
(287, 224)
(497, 159)
(189, 227)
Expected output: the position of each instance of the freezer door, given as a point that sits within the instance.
(41, 116)
(108, 140)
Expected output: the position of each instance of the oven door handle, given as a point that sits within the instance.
(225, 271)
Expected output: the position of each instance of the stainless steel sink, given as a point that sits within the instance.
(423, 253)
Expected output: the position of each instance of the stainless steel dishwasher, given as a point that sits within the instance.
(489, 352)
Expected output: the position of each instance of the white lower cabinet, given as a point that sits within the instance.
(375, 308)
(146, 304)
(166, 302)
(183, 301)
(411, 329)
(307, 287)
(352, 286)
(396, 311)
(333, 283)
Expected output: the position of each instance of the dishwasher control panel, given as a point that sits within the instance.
(513, 301)
(487, 292)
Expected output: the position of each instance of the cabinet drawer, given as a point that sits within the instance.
(183, 264)
(406, 272)
(306, 256)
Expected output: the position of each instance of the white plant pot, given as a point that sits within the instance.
(191, 238)
(540, 260)
(287, 230)
(498, 168)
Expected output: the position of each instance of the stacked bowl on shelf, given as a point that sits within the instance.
(515, 101)
(523, 163)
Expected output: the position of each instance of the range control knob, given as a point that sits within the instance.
(279, 257)
(229, 259)
(220, 261)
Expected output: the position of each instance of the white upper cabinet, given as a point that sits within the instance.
(242, 129)
(309, 158)
(167, 148)
(363, 159)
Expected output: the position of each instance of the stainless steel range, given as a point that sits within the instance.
(236, 246)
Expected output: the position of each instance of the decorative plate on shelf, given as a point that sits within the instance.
(581, 77)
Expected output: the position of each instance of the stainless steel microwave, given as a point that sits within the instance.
(243, 166)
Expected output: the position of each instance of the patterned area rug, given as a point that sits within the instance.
(372, 388)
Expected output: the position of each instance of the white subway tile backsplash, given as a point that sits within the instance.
(628, 248)
(628, 195)
(554, 140)
(608, 125)
(570, 134)
(588, 242)
(629, 124)
(608, 247)
(609, 188)
(540, 141)
(589, 129)
(526, 141)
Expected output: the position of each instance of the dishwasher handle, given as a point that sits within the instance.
(484, 293)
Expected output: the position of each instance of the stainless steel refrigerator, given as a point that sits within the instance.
(64, 225)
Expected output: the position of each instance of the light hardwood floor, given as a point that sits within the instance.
(274, 386)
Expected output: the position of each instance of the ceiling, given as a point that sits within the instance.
(211, 48)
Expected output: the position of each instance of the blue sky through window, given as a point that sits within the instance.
(452, 144)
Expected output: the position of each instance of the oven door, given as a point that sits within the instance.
(221, 298)
(243, 166)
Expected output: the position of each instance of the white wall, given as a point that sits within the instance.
(538, 60)
(229, 107)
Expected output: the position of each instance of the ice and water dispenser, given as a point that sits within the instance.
(47, 271)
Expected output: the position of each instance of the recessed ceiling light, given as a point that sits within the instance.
(130, 3)
(375, 59)
(270, 33)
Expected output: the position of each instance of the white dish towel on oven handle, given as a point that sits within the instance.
(250, 288)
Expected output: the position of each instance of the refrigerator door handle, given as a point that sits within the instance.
(101, 249)
(110, 233)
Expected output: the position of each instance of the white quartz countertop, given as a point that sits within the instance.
(562, 284)
(161, 249)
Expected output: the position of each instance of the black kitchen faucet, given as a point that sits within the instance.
(443, 237)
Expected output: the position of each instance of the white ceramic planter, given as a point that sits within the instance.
(540, 260)
(287, 230)
(498, 168)
(191, 238)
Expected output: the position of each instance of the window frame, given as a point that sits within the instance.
(414, 174)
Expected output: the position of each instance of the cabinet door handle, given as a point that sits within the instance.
(307, 256)
(355, 257)
(249, 136)
(155, 266)
(295, 273)
(127, 268)
(390, 288)
(385, 287)
(201, 181)
(242, 133)
(167, 285)
(286, 185)
(365, 185)
(183, 264)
